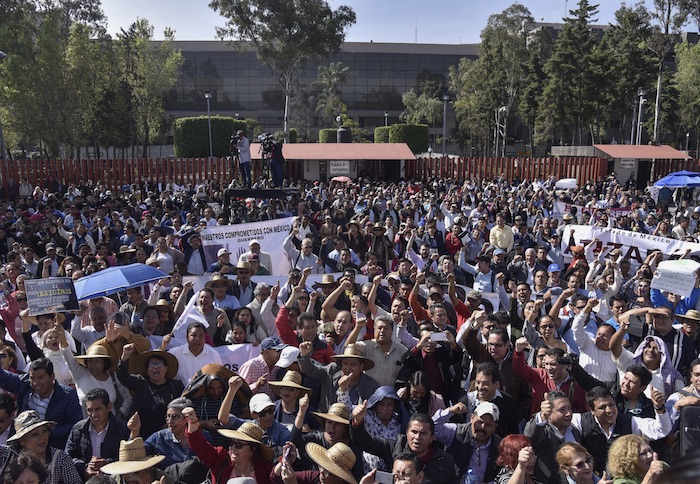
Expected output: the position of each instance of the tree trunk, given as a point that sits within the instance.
(286, 106)
(657, 104)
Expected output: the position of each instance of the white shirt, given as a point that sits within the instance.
(190, 364)
(96, 439)
(595, 361)
(652, 428)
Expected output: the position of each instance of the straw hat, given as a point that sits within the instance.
(141, 362)
(132, 458)
(164, 304)
(291, 379)
(691, 316)
(124, 249)
(355, 223)
(338, 412)
(218, 278)
(195, 388)
(58, 317)
(378, 226)
(338, 460)
(98, 352)
(327, 280)
(249, 432)
(27, 421)
(354, 351)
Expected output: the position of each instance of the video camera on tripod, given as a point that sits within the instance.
(267, 143)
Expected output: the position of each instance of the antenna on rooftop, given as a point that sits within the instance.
(416, 34)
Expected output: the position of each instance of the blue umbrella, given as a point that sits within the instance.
(679, 179)
(116, 279)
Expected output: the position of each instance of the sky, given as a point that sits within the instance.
(404, 21)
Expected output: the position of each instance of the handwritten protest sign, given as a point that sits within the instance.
(55, 294)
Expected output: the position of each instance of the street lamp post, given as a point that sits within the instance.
(687, 140)
(207, 94)
(2, 138)
(445, 99)
(386, 118)
(641, 92)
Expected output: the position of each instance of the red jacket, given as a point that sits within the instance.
(541, 384)
(218, 461)
(290, 337)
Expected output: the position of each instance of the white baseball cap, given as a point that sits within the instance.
(288, 356)
(487, 408)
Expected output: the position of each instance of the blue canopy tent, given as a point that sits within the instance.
(680, 179)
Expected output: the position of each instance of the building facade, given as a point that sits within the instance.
(243, 86)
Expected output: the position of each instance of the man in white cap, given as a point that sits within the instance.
(223, 263)
(473, 445)
(254, 248)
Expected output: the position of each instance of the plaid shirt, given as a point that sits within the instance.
(253, 369)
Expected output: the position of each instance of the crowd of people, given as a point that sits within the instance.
(485, 345)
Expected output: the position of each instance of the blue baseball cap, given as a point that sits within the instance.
(553, 268)
(272, 343)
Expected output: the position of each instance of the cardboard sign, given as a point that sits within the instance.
(676, 276)
(52, 295)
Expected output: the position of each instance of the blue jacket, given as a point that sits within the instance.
(63, 408)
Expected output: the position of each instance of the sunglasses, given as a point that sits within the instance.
(583, 463)
(21, 299)
(238, 445)
(267, 411)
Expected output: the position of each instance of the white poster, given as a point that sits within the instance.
(236, 238)
(676, 276)
(635, 246)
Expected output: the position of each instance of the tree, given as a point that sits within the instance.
(567, 99)
(286, 34)
(686, 83)
(539, 49)
(421, 108)
(150, 71)
(494, 81)
(668, 18)
(330, 78)
(632, 63)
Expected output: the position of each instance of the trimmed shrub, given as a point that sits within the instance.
(416, 136)
(381, 134)
(328, 135)
(191, 135)
(293, 135)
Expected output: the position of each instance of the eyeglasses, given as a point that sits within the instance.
(156, 364)
(174, 416)
(267, 411)
(238, 445)
(580, 465)
(21, 299)
(3, 356)
(547, 326)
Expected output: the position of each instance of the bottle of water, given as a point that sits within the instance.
(471, 477)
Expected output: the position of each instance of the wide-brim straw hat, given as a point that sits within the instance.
(58, 317)
(691, 316)
(141, 362)
(218, 278)
(132, 458)
(27, 421)
(338, 460)
(164, 304)
(214, 370)
(98, 352)
(338, 412)
(354, 351)
(124, 249)
(291, 379)
(249, 432)
(355, 223)
(327, 280)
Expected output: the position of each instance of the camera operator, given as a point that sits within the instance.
(244, 159)
(276, 160)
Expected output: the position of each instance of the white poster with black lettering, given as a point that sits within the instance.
(270, 234)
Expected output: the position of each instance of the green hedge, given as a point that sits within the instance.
(416, 136)
(328, 135)
(293, 135)
(191, 135)
(381, 134)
